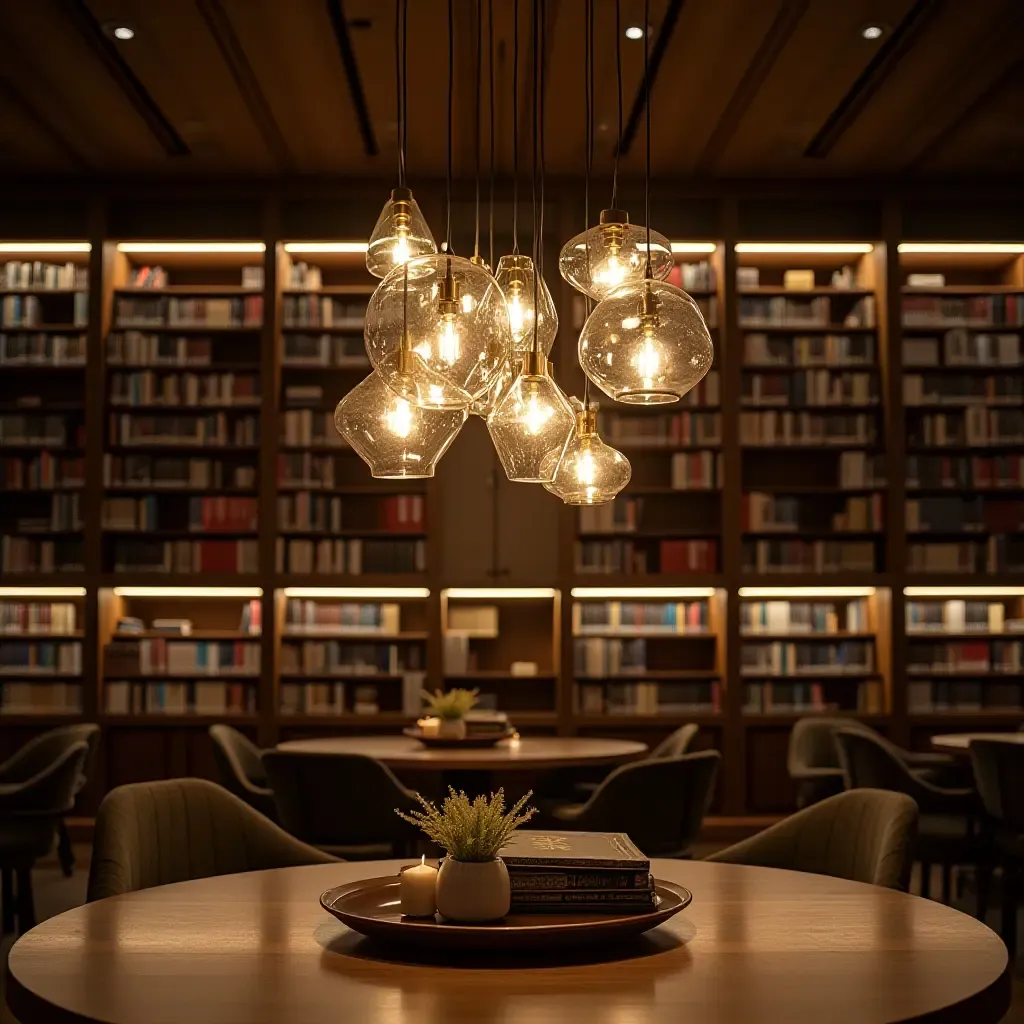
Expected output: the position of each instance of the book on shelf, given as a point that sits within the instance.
(599, 658)
(200, 697)
(926, 280)
(963, 311)
(150, 657)
(767, 513)
(298, 395)
(978, 656)
(354, 557)
(28, 311)
(700, 276)
(959, 616)
(966, 389)
(27, 555)
(826, 350)
(312, 698)
(137, 347)
(342, 351)
(44, 276)
(147, 277)
(304, 275)
(636, 558)
(175, 311)
(253, 277)
(402, 513)
(324, 311)
(622, 515)
(811, 387)
(40, 698)
(1001, 553)
(206, 515)
(19, 618)
(338, 656)
(964, 515)
(365, 700)
(64, 516)
(683, 428)
(317, 618)
(696, 471)
(148, 388)
(215, 429)
(972, 425)
(793, 658)
(42, 349)
(929, 697)
(35, 429)
(774, 428)
(785, 698)
(310, 426)
(307, 469)
(656, 617)
(803, 617)
(782, 556)
(811, 311)
(40, 657)
(172, 627)
(175, 473)
(974, 471)
(647, 698)
(477, 620)
(186, 556)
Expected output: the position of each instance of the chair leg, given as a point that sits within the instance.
(8, 901)
(947, 884)
(926, 880)
(1009, 923)
(26, 905)
(65, 854)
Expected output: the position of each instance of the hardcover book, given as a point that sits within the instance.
(531, 849)
(529, 880)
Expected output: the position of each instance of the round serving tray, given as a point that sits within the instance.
(373, 908)
(477, 742)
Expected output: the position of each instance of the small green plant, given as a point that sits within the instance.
(452, 705)
(470, 830)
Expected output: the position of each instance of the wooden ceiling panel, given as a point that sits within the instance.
(25, 142)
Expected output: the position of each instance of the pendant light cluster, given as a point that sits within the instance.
(447, 338)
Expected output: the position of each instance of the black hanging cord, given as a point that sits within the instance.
(540, 118)
(536, 222)
(515, 127)
(618, 80)
(398, 91)
(479, 58)
(490, 75)
(647, 168)
(451, 93)
(588, 157)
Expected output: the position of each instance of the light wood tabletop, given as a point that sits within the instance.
(756, 945)
(530, 752)
(960, 742)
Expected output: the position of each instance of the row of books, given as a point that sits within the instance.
(312, 350)
(18, 429)
(959, 616)
(39, 698)
(307, 469)
(599, 658)
(170, 473)
(337, 698)
(793, 658)
(40, 657)
(305, 276)
(977, 471)
(206, 515)
(27, 311)
(960, 515)
(321, 618)
(202, 429)
(805, 617)
(664, 431)
(18, 618)
(634, 558)
(23, 554)
(977, 657)
(42, 349)
(148, 657)
(972, 425)
(930, 697)
(631, 617)
(800, 280)
(962, 348)
(661, 698)
(64, 514)
(831, 350)
(792, 311)
(156, 277)
(620, 516)
(310, 426)
(786, 698)
(174, 311)
(186, 556)
(149, 388)
(770, 513)
(785, 556)
(250, 623)
(323, 311)
(313, 657)
(812, 387)
(202, 697)
(44, 276)
(962, 389)
(141, 349)
(968, 311)
(698, 277)
(996, 554)
(804, 428)
(400, 513)
(696, 471)
(354, 557)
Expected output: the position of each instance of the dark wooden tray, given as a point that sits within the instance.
(472, 742)
(372, 907)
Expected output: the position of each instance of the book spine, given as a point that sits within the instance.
(632, 881)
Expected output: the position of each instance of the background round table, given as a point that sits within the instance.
(756, 945)
(960, 742)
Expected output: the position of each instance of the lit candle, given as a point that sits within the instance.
(429, 726)
(416, 886)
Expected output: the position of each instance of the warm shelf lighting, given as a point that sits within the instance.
(314, 247)
(963, 591)
(45, 247)
(498, 593)
(188, 591)
(642, 593)
(193, 247)
(42, 591)
(786, 592)
(954, 248)
(805, 247)
(694, 246)
(368, 593)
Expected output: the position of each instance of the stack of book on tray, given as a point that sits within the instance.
(577, 872)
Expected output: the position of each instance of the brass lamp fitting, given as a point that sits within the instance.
(450, 293)
(647, 309)
(613, 228)
(401, 205)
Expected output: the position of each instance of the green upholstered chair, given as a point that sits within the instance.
(30, 814)
(241, 770)
(659, 803)
(344, 804)
(866, 835)
(154, 833)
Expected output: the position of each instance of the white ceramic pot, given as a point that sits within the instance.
(473, 891)
(452, 728)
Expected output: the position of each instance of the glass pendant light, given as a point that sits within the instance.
(486, 404)
(590, 472)
(515, 276)
(395, 439)
(400, 234)
(531, 424)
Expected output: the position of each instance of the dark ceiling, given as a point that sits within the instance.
(281, 88)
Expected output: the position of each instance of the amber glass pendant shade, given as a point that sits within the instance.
(603, 258)
(531, 424)
(394, 438)
(400, 234)
(590, 472)
(515, 277)
(646, 344)
(437, 331)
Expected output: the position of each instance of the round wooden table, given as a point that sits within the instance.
(960, 742)
(756, 945)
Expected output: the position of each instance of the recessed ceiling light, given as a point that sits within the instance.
(872, 31)
(634, 32)
(122, 32)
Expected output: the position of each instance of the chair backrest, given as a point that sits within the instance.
(999, 776)
(659, 803)
(870, 763)
(337, 800)
(50, 792)
(238, 761)
(42, 750)
(865, 835)
(678, 743)
(811, 743)
(154, 833)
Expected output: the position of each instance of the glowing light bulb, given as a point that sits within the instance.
(536, 413)
(611, 273)
(400, 235)
(399, 418)
(448, 348)
(400, 252)
(590, 472)
(516, 277)
(520, 316)
(648, 359)
(584, 468)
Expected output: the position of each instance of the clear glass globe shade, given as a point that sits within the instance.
(646, 344)
(531, 426)
(394, 438)
(604, 258)
(486, 404)
(437, 331)
(515, 276)
(590, 472)
(400, 234)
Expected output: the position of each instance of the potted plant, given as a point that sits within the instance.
(472, 883)
(450, 709)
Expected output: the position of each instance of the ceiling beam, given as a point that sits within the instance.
(336, 12)
(17, 99)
